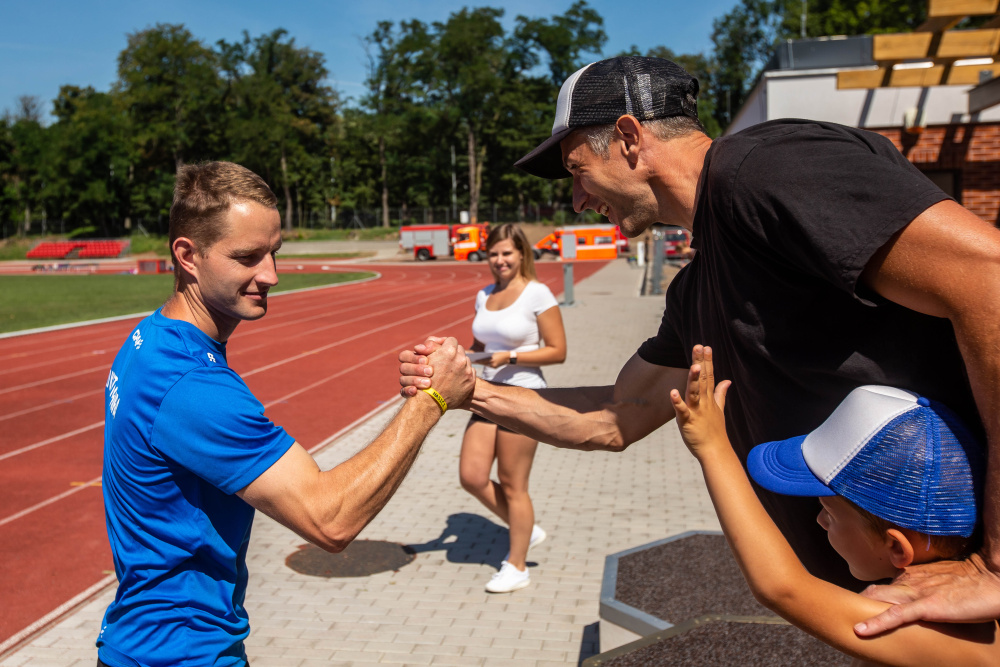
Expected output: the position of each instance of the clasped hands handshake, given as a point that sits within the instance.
(440, 362)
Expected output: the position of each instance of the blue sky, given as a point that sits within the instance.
(48, 43)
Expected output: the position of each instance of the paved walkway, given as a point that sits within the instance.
(434, 611)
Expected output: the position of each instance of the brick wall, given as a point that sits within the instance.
(971, 151)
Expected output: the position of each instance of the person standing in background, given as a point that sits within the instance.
(517, 329)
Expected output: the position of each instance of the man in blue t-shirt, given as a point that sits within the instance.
(189, 454)
(824, 261)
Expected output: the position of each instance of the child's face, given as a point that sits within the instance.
(866, 552)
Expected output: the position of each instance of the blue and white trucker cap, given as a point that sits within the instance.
(602, 92)
(900, 456)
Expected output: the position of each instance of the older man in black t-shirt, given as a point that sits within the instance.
(825, 261)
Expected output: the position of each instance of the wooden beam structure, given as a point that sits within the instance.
(934, 55)
(953, 44)
(962, 8)
(936, 75)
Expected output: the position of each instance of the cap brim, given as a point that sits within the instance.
(779, 467)
(546, 160)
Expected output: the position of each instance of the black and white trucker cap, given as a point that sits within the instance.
(603, 92)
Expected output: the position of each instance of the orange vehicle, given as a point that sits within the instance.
(469, 241)
(592, 242)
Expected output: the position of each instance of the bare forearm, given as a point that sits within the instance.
(543, 356)
(359, 488)
(576, 418)
(761, 551)
(586, 418)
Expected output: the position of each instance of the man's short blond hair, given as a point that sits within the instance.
(203, 194)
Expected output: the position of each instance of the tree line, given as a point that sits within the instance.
(448, 107)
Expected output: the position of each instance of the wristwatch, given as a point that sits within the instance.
(513, 358)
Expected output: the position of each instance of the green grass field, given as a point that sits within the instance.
(28, 302)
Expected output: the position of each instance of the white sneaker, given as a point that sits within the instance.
(537, 537)
(508, 579)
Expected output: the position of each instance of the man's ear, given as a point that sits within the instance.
(900, 548)
(185, 253)
(628, 135)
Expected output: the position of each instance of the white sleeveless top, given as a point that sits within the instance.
(513, 328)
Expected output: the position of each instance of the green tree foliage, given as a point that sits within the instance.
(28, 164)
(88, 183)
(280, 115)
(744, 40)
(8, 200)
(169, 87)
(847, 17)
(398, 61)
(563, 39)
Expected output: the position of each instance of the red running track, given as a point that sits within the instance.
(319, 361)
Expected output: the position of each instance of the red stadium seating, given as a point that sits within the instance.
(81, 249)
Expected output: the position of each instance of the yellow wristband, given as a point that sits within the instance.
(433, 393)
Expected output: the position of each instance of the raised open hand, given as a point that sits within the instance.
(700, 416)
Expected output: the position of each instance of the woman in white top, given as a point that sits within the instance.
(519, 325)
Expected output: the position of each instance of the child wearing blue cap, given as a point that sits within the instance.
(899, 479)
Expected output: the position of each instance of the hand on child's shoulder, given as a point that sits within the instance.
(700, 411)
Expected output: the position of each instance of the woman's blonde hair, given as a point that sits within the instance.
(511, 232)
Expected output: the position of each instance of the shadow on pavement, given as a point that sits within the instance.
(469, 538)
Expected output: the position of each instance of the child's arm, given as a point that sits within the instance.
(776, 576)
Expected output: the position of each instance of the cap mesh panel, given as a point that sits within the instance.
(652, 87)
(920, 472)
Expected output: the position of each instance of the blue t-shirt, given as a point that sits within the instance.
(182, 434)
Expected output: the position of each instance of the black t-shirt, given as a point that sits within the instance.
(789, 214)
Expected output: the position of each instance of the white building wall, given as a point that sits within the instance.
(813, 95)
(753, 111)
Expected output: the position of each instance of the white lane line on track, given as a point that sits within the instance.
(50, 361)
(53, 499)
(58, 378)
(356, 366)
(389, 404)
(398, 287)
(116, 338)
(67, 376)
(243, 350)
(364, 334)
(105, 320)
(364, 304)
(57, 438)
(367, 315)
(113, 338)
(61, 401)
(247, 374)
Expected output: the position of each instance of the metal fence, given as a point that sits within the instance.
(346, 218)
